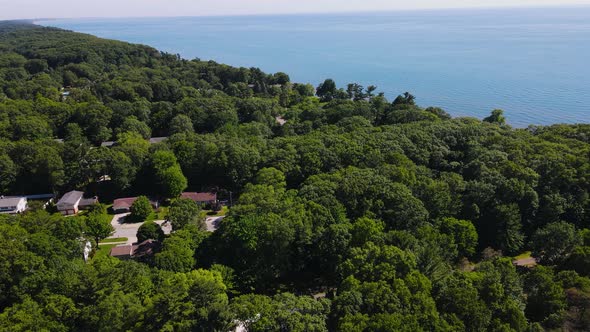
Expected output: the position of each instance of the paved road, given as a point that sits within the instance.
(130, 230)
(213, 223)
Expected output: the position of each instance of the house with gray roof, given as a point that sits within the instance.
(69, 203)
(73, 201)
(13, 205)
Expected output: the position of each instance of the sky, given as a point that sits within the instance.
(28, 9)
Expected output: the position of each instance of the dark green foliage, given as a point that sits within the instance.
(184, 212)
(552, 244)
(140, 209)
(377, 205)
(150, 230)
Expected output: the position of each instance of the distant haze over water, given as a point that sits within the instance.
(532, 63)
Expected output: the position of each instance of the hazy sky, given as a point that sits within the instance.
(12, 9)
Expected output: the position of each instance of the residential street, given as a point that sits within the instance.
(130, 230)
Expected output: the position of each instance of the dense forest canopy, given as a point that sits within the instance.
(351, 212)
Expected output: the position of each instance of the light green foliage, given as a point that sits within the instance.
(463, 234)
(271, 177)
(98, 226)
(168, 174)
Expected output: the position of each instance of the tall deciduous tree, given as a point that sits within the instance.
(184, 212)
(98, 226)
(140, 209)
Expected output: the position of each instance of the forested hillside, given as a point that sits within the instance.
(351, 212)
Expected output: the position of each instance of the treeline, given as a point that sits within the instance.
(396, 217)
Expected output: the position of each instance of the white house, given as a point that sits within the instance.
(12, 205)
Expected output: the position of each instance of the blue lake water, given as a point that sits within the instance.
(532, 63)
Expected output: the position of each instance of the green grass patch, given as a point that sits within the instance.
(114, 240)
(104, 250)
(524, 255)
(211, 213)
(162, 212)
(158, 215)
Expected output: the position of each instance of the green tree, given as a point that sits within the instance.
(168, 174)
(132, 124)
(552, 244)
(545, 297)
(140, 209)
(271, 177)
(98, 226)
(326, 90)
(497, 117)
(463, 233)
(181, 124)
(184, 212)
(150, 230)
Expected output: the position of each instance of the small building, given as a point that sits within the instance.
(156, 140)
(74, 201)
(206, 198)
(142, 250)
(13, 205)
(123, 205)
(108, 144)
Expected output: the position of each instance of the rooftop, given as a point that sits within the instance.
(200, 197)
(125, 250)
(155, 140)
(71, 197)
(146, 248)
(10, 201)
(126, 202)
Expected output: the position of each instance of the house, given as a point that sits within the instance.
(69, 203)
(73, 201)
(145, 249)
(156, 140)
(153, 140)
(108, 144)
(122, 205)
(12, 205)
(207, 199)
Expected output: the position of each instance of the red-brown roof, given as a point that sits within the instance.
(200, 197)
(123, 203)
(121, 251)
(146, 248)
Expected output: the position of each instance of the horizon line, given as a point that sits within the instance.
(345, 12)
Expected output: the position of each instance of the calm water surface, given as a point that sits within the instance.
(533, 63)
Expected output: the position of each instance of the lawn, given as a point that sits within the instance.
(158, 215)
(114, 240)
(211, 213)
(104, 250)
(524, 255)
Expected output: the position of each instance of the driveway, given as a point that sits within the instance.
(130, 230)
(213, 223)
